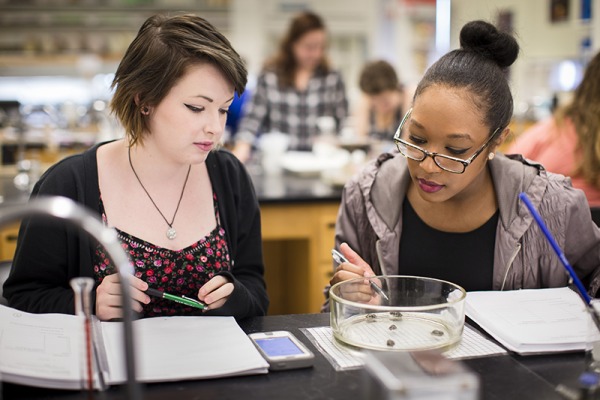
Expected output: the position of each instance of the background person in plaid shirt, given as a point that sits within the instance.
(295, 88)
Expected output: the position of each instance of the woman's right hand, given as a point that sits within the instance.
(356, 267)
(108, 297)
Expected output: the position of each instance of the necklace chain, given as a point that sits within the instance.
(171, 233)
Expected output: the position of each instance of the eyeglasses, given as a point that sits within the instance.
(447, 163)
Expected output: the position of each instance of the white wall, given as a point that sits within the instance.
(543, 44)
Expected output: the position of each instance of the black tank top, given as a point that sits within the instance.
(466, 258)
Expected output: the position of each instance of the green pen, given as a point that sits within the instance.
(179, 299)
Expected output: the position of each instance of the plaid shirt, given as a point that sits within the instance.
(292, 111)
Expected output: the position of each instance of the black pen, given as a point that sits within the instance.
(179, 299)
(339, 258)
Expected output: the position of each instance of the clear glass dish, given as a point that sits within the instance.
(404, 313)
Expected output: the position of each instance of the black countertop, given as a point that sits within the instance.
(501, 377)
(281, 188)
(289, 188)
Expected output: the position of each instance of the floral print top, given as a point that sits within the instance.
(179, 272)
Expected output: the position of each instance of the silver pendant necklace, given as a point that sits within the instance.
(171, 232)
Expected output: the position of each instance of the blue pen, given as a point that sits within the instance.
(556, 248)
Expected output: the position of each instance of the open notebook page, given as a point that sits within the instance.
(531, 321)
(40, 349)
(178, 348)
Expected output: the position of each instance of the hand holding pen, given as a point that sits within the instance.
(213, 294)
(177, 299)
(108, 297)
(356, 269)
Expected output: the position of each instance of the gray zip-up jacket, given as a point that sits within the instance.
(370, 221)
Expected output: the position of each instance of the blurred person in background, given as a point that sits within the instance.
(568, 143)
(383, 104)
(295, 88)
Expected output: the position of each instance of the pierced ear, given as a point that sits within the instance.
(145, 110)
(500, 139)
(503, 135)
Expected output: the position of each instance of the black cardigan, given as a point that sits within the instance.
(49, 254)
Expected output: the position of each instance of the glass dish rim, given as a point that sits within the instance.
(375, 307)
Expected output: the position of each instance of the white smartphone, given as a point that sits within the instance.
(282, 350)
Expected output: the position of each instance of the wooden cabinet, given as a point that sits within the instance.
(8, 241)
(297, 243)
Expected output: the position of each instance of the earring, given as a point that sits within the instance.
(491, 156)
(145, 110)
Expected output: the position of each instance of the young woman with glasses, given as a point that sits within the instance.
(446, 205)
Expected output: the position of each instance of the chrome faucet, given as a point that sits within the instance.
(66, 209)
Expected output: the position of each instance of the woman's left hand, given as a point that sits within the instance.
(215, 292)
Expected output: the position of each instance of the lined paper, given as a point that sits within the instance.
(341, 357)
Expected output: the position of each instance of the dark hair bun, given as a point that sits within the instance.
(484, 38)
